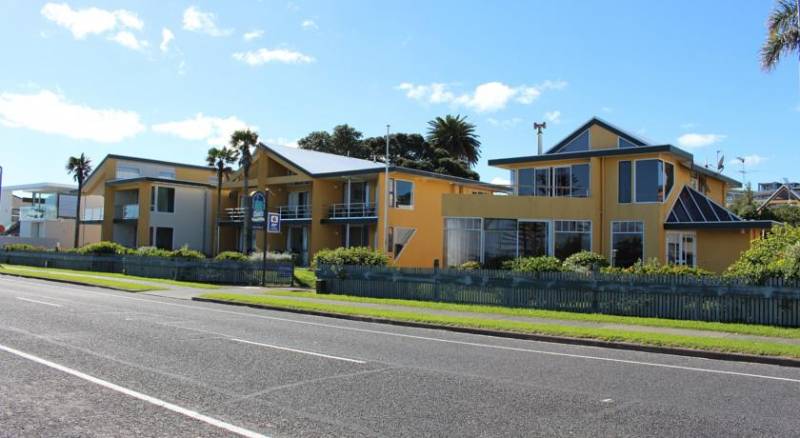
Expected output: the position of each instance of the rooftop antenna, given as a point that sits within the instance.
(720, 162)
(539, 127)
(744, 170)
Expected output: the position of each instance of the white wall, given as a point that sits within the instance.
(147, 169)
(190, 221)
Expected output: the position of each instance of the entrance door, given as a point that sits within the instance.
(297, 242)
(681, 248)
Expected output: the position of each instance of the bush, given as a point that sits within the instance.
(585, 261)
(471, 265)
(791, 263)
(272, 256)
(23, 247)
(534, 264)
(361, 256)
(654, 267)
(767, 257)
(232, 256)
(152, 251)
(104, 248)
(188, 254)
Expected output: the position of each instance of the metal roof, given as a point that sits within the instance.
(693, 209)
(315, 163)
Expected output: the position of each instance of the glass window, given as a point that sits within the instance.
(543, 182)
(165, 200)
(580, 143)
(649, 181)
(164, 238)
(627, 240)
(532, 239)
(399, 238)
(462, 241)
(580, 180)
(625, 144)
(126, 172)
(572, 237)
(561, 181)
(355, 236)
(166, 175)
(403, 194)
(499, 241)
(669, 171)
(681, 249)
(625, 178)
(525, 181)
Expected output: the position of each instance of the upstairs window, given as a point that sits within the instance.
(647, 181)
(127, 172)
(401, 193)
(625, 191)
(526, 184)
(162, 199)
(564, 181)
(543, 184)
(625, 144)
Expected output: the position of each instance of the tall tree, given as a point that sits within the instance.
(456, 136)
(783, 33)
(344, 140)
(243, 143)
(220, 159)
(80, 168)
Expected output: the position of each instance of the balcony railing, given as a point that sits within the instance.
(93, 214)
(289, 212)
(38, 212)
(352, 210)
(126, 212)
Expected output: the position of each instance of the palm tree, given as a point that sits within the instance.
(79, 168)
(456, 136)
(220, 158)
(783, 38)
(243, 142)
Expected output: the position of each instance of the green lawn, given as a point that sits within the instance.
(644, 338)
(743, 329)
(305, 277)
(71, 273)
(90, 281)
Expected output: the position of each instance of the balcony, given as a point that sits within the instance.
(353, 211)
(295, 212)
(126, 212)
(92, 214)
(38, 213)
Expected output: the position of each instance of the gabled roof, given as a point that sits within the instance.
(602, 123)
(142, 160)
(693, 210)
(790, 194)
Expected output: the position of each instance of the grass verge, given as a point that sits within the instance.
(74, 273)
(742, 329)
(305, 277)
(89, 281)
(612, 335)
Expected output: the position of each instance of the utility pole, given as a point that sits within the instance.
(539, 127)
(386, 195)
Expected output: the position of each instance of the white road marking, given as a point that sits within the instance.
(38, 302)
(449, 341)
(129, 392)
(298, 351)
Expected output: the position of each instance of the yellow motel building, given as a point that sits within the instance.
(604, 190)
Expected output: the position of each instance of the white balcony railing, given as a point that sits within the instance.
(93, 214)
(352, 210)
(289, 212)
(126, 212)
(38, 212)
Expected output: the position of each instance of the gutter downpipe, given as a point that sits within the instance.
(386, 196)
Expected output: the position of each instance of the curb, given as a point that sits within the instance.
(74, 283)
(716, 355)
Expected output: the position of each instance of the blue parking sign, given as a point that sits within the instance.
(273, 223)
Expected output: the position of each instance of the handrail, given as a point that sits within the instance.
(352, 210)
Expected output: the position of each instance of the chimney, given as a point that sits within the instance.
(539, 127)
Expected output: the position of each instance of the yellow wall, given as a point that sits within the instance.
(718, 249)
(601, 138)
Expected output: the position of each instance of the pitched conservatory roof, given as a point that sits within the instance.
(693, 209)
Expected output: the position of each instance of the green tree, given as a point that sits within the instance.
(455, 135)
(344, 140)
(745, 206)
(80, 168)
(783, 33)
(243, 143)
(414, 152)
(220, 159)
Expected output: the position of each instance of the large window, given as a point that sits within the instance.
(462, 241)
(543, 182)
(681, 248)
(653, 180)
(625, 182)
(579, 184)
(526, 178)
(561, 181)
(533, 239)
(554, 181)
(127, 172)
(162, 199)
(580, 143)
(499, 241)
(401, 193)
(627, 243)
(572, 237)
(161, 237)
(355, 236)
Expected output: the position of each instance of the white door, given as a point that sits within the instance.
(682, 248)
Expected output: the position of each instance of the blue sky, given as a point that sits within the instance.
(166, 80)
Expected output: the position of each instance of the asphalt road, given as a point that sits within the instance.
(78, 361)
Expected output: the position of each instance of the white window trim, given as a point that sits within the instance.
(591, 232)
(552, 178)
(680, 235)
(394, 193)
(611, 257)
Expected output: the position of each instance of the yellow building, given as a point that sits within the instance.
(153, 203)
(603, 190)
(328, 201)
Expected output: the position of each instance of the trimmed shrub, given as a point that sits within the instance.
(188, 254)
(152, 251)
(585, 261)
(272, 256)
(471, 265)
(654, 267)
(791, 263)
(23, 247)
(232, 256)
(534, 264)
(767, 257)
(361, 256)
(104, 248)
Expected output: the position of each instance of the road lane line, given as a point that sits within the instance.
(38, 302)
(449, 341)
(129, 392)
(311, 353)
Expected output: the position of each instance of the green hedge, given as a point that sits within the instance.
(654, 267)
(585, 261)
(231, 255)
(534, 264)
(774, 256)
(104, 248)
(350, 256)
(23, 247)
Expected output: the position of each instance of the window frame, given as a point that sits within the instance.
(396, 254)
(590, 232)
(154, 196)
(551, 179)
(633, 180)
(393, 194)
(611, 257)
(128, 169)
(681, 235)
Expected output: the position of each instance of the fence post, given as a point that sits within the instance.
(436, 286)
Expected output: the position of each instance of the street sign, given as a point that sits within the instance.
(273, 223)
(258, 203)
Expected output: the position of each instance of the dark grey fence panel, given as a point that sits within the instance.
(773, 302)
(203, 271)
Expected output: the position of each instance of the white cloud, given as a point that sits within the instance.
(749, 160)
(487, 97)
(212, 130)
(694, 140)
(553, 116)
(281, 141)
(504, 123)
(129, 40)
(263, 56)
(51, 113)
(253, 34)
(607, 109)
(195, 20)
(166, 37)
(501, 181)
(309, 25)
